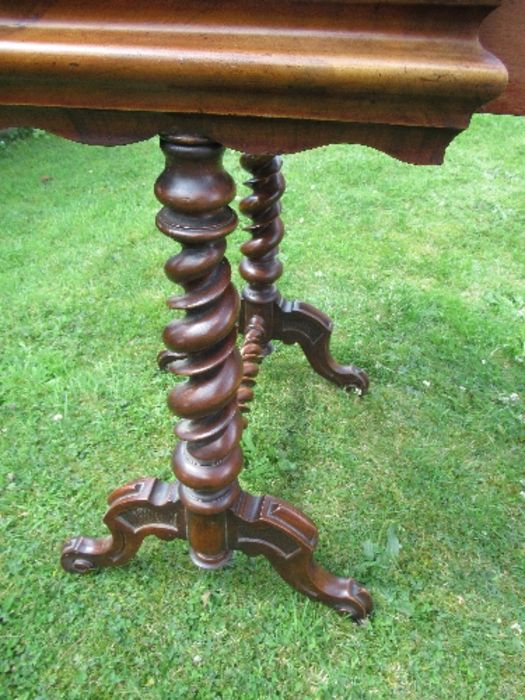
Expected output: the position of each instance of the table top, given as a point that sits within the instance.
(274, 76)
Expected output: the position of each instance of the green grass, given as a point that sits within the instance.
(422, 270)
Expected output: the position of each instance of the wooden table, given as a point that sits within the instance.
(264, 78)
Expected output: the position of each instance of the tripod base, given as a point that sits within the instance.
(255, 525)
(298, 322)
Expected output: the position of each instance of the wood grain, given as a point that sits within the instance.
(418, 64)
(503, 33)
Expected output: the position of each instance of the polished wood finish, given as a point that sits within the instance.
(206, 505)
(503, 33)
(314, 60)
(272, 77)
(402, 76)
(290, 322)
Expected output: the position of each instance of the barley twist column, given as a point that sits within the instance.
(260, 266)
(252, 354)
(288, 321)
(195, 191)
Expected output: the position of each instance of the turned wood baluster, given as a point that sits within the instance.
(195, 191)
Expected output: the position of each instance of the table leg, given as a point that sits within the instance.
(206, 506)
(143, 507)
(288, 321)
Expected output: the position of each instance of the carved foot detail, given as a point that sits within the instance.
(255, 525)
(297, 322)
(269, 526)
(143, 507)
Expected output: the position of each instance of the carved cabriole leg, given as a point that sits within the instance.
(290, 322)
(143, 507)
(287, 538)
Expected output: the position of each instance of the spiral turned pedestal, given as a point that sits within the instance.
(290, 322)
(260, 266)
(206, 505)
(195, 191)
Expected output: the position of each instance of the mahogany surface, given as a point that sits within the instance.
(206, 505)
(403, 76)
(290, 322)
(503, 33)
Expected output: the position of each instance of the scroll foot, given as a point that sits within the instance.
(143, 507)
(269, 526)
(297, 322)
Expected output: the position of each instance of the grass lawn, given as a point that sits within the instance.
(418, 489)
